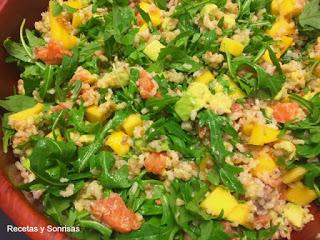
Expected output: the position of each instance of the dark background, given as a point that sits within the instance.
(4, 221)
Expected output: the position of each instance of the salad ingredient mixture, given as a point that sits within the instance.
(174, 119)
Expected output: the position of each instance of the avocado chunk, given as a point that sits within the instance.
(196, 97)
(294, 214)
(119, 77)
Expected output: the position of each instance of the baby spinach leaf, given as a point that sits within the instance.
(105, 231)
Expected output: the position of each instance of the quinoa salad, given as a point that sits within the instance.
(169, 120)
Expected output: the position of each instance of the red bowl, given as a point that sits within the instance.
(12, 201)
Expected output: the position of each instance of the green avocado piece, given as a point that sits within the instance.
(195, 98)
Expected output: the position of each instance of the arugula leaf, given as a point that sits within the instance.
(173, 57)
(33, 40)
(151, 230)
(213, 230)
(48, 153)
(307, 129)
(263, 86)
(17, 103)
(105, 231)
(17, 51)
(54, 207)
(118, 179)
(48, 81)
(56, 8)
(31, 77)
(263, 234)
(309, 19)
(7, 132)
(94, 147)
(219, 126)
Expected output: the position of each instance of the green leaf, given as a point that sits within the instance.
(31, 77)
(310, 17)
(48, 153)
(17, 103)
(105, 231)
(56, 8)
(116, 179)
(33, 40)
(16, 50)
(48, 81)
(94, 147)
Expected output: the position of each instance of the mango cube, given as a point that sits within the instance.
(25, 114)
(240, 214)
(119, 142)
(220, 199)
(266, 164)
(153, 49)
(293, 175)
(205, 77)
(95, 114)
(262, 134)
(294, 213)
(77, 4)
(275, 7)
(280, 48)
(131, 122)
(300, 194)
(57, 133)
(231, 46)
(247, 128)
(153, 11)
(60, 32)
(281, 27)
(290, 8)
(76, 20)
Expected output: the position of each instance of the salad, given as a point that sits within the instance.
(169, 120)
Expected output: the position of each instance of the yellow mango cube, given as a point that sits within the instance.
(220, 199)
(57, 133)
(153, 11)
(240, 214)
(119, 142)
(95, 114)
(247, 129)
(266, 164)
(205, 77)
(25, 114)
(77, 4)
(281, 27)
(300, 194)
(275, 7)
(60, 32)
(231, 46)
(294, 213)
(131, 122)
(290, 8)
(293, 175)
(153, 49)
(76, 20)
(262, 134)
